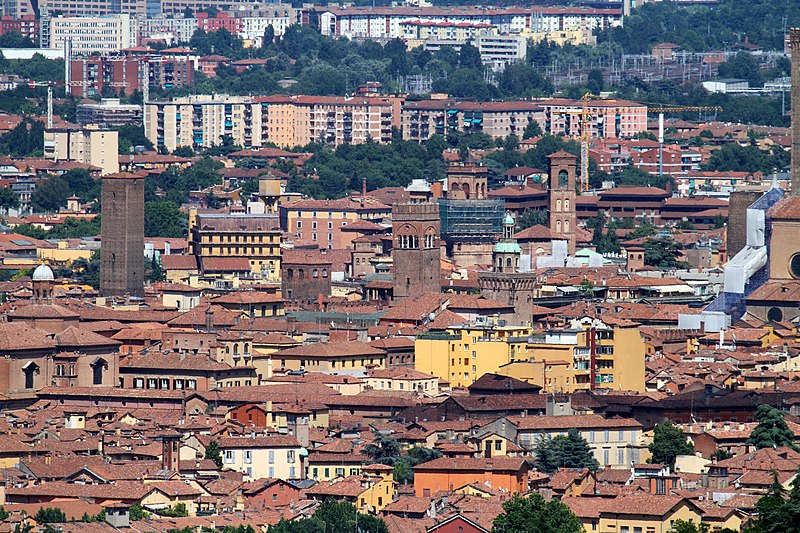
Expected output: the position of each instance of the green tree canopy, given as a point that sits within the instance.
(772, 430)
(570, 451)
(213, 452)
(668, 443)
(534, 514)
(50, 194)
(332, 516)
(164, 219)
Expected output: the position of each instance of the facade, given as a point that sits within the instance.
(93, 146)
(173, 28)
(321, 221)
(254, 23)
(91, 34)
(122, 234)
(104, 74)
(506, 474)
(387, 22)
(109, 113)
(254, 238)
(201, 120)
(262, 456)
(27, 26)
(608, 119)
(423, 119)
(92, 8)
(416, 250)
(306, 274)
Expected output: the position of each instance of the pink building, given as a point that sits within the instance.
(608, 119)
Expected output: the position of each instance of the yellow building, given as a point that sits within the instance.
(587, 355)
(634, 513)
(370, 491)
(63, 254)
(256, 238)
(326, 356)
(465, 353)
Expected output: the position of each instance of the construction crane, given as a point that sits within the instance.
(49, 85)
(672, 109)
(585, 141)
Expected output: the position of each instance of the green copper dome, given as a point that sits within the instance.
(507, 248)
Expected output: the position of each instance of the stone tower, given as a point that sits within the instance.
(563, 218)
(507, 252)
(122, 235)
(794, 44)
(415, 251)
(467, 181)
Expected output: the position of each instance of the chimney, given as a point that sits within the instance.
(794, 44)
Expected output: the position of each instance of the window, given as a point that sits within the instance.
(498, 445)
(248, 456)
(271, 456)
(30, 370)
(290, 456)
(271, 471)
(230, 457)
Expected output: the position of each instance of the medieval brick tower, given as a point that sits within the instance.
(122, 235)
(415, 251)
(563, 218)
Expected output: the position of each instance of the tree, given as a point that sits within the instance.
(609, 242)
(269, 36)
(533, 217)
(534, 514)
(532, 130)
(682, 526)
(8, 199)
(137, 513)
(332, 516)
(383, 448)
(183, 151)
(470, 57)
(596, 82)
(662, 252)
(668, 443)
(50, 515)
(213, 452)
(570, 451)
(14, 39)
(50, 195)
(163, 219)
(772, 430)
(4, 514)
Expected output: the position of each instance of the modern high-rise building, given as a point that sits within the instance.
(109, 33)
(416, 250)
(122, 235)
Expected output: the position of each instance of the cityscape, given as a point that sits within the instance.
(399, 266)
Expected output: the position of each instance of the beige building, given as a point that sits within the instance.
(202, 120)
(109, 33)
(262, 456)
(93, 146)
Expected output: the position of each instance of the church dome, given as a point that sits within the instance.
(43, 273)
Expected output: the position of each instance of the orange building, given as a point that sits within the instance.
(506, 473)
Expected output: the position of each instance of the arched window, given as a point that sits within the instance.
(324, 272)
(566, 204)
(315, 273)
(98, 366)
(563, 179)
(558, 205)
(508, 261)
(558, 226)
(30, 370)
(466, 191)
(499, 262)
(566, 225)
(290, 273)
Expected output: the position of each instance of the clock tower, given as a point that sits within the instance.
(561, 185)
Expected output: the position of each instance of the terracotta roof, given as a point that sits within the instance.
(259, 441)
(17, 337)
(495, 464)
(248, 297)
(571, 421)
(179, 262)
(332, 349)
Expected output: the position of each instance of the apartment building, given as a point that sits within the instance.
(254, 23)
(104, 74)
(93, 146)
(258, 457)
(608, 119)
(588, 355)
(384, 22)
(172, 28)
(415, 32)
(423, 119)
(27, 26)
(321, 221)
(92, 8)
(109, 33)
(109, 113)
(201, 120)
(254, 238)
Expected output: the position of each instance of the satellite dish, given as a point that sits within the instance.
(432, 316)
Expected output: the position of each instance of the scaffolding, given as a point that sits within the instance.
(474, 219)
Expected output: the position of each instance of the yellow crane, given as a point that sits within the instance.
(673, 109)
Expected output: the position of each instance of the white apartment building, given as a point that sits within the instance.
(91, 34)
(176, 28)
(501, 50)
(254, 23)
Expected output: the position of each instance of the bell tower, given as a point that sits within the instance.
(507, 252)
(561, 185)
(415, 251)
